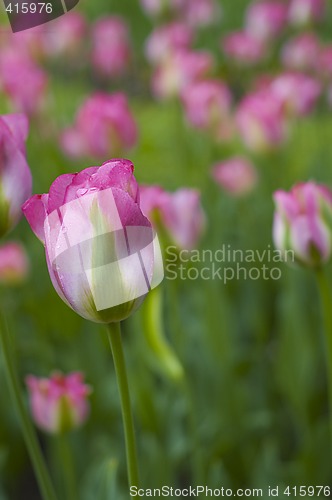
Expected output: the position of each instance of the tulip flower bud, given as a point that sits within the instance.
(303, 223)
(237, 176)
(104, 125)
(180, 214)
(15, 176)
(102, 254)
(14, 264)
(59, 403)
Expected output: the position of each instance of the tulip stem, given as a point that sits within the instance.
(114, 335)
(326, 300)
(29, 433)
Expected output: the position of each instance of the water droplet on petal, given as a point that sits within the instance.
(81, 191)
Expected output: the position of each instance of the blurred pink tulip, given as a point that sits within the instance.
(23, 81)
(301, 52)
(14, 263)
(94, 231)
(207, 106)
(236, 175)
(66, 36)
(111, 51)
(15, 175)
(59, 403)
(164, 40)
(104, 127)
(266, 19)
(302, 12)
(180, 69)
(298, 93)
(302, 223)
(180, 213)
(261, 121)
(243, 48)
(201, 13)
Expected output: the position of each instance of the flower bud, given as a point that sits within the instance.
(15, 176)
(104, 126)
(180, 214)
(102, 254)
(236, 175)
(303, 223)
(14, 264)
(59, 403)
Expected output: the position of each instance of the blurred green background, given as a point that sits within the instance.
(254, 412)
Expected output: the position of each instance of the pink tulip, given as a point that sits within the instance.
(59, 403)
(164, 40)
(301, 52)
(236, 175)
(302, 223)
(14, 264)
(66, 36)
(23, 81)
(201, 13)
(15, 176)
(266, 19)
(302, 12)
(180, 213)
(298, 93)
(243, 48)
(111, 51)
(208, 105)
(261, 121)
(104, 126)
(179, 70)
(98, 243)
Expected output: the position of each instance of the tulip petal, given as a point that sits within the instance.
(35, 211)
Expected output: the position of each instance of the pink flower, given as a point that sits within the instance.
(66, 36)
(164, 40)
(104, 126)
(15, 176)
(180, 69)
(236, 175)
(23, 81)
(302, 12)
(111, 49)
(244, 48)
(207, 106)
(201, 13)
(261, 121)
(302, 223)
(14, 264)
(301, 52)
(298, 93)
(180, 213)
(266, 19)
(97, 241)
(59, 403)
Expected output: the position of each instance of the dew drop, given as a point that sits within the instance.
(81, 191)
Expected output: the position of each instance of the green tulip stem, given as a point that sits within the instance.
(326, 300)
(28, 430)
(114, 335)
(67, 466)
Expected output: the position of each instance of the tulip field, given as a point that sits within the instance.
(165, 250)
